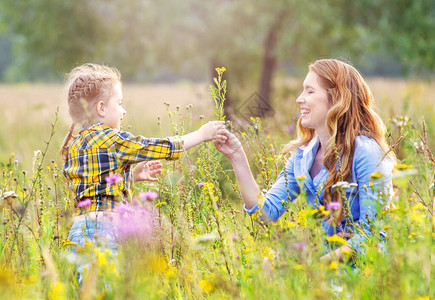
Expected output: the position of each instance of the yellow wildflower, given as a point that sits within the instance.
(170, 272)
(333, 265)
(336, 239)
(300, 178)
(243, 133)
(57, 291)
(419, 206)
(291, 224)
(68, 243)
(299, 267)
(157, 264)
(220, 70)
(376, 175)
(302, 218)
(403, 166)
(207, 286)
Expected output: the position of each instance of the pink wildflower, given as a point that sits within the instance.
(150, 195)
(84, 203)
(290, 128)
(300, 246)
(201, 184)
(134, 222)
(333, 205)
(113, 179)
(234, 237)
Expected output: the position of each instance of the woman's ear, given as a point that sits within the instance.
(101, 108)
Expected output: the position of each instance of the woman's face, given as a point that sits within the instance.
(314, 104)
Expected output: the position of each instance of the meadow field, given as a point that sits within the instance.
(195, 241)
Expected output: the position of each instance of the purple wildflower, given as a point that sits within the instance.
(299, 246)
(201, 184)
(113, 179)
(290, 128)
(84, 203)
(234, 237)
(150, 195)
(333, 205)
(134, 222)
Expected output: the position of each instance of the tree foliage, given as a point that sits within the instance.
(194, 37)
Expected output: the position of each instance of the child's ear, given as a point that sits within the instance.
(101, 108)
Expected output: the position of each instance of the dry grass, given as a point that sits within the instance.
(28, 109)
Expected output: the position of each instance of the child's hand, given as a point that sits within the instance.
(146, 169)
(213, 130)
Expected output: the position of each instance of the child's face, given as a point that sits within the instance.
(114, 111)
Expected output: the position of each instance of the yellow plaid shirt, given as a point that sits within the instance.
(100, 151)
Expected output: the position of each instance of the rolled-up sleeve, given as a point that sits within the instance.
(283, 190)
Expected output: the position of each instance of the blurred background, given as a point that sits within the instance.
(168, 50)
(154, 41)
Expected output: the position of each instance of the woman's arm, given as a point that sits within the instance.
(233, 150)
(283, 190)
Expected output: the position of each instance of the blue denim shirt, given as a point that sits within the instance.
(364, 200)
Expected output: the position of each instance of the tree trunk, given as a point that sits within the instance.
(264, 107)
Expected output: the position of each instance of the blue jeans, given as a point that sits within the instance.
(101, 234)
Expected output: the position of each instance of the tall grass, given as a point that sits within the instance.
(203, 244)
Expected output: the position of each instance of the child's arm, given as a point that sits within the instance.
(146, 169)
(213, 130)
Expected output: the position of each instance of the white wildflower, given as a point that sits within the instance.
(341, 185)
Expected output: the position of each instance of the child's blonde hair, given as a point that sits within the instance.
(85, 86)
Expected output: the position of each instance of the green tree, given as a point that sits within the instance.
(252, 39)
(55, 34)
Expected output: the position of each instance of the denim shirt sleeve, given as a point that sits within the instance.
(366, 161)
(284, 188)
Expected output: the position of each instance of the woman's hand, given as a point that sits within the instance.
(230, 146)
(146, 169)
(338, 254)
(233, 150)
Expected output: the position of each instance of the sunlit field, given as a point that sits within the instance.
(195, 241)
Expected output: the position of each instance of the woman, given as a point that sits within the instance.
(339, 138)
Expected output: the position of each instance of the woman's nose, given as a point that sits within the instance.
(300, 99)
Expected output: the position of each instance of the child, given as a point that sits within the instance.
(98, 162)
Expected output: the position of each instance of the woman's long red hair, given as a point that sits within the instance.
(351, 114)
